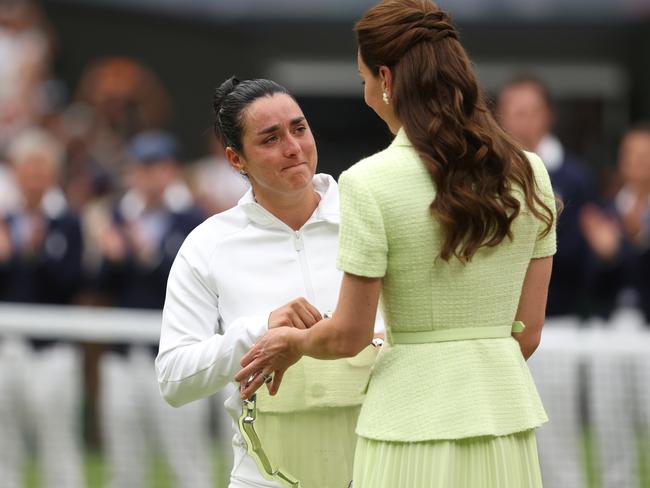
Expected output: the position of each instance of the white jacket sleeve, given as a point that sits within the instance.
(194, 359)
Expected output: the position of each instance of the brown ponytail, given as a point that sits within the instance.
(436, 97)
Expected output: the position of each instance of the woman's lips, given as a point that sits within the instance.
(297, 165)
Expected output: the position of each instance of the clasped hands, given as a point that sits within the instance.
(270, 357)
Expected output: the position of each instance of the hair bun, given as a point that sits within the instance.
(222, 92)
(437, 25)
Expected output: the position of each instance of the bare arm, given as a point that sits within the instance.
(344, 335)
(532, 304)
(351, 328)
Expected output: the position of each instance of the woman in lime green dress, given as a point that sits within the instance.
(454, 226)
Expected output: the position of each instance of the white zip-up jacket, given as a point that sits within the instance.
(230, 274)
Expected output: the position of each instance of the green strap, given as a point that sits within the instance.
(518, 326)
(255, 450)
(459, 334)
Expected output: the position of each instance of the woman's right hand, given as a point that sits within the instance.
(270, 357)
(298, 313)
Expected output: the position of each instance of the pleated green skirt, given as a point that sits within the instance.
(480, 462)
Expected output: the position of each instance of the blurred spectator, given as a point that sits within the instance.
(40, 262)
(619, 390)
(25, 51)
(91, 190)
(116, 98)
(633, 204)
(125, 96)
(9, 196)
(95, 156)
(215, 183)
(149, 225)
(525, 111)
(619, 235)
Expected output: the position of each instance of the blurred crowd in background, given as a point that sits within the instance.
(95, 201)
(94, 205)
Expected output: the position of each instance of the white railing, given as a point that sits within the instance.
(625, 334)
(77, 323)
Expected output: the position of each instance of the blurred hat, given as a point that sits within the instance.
(153, 146)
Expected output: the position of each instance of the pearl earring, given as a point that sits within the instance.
(385, 98)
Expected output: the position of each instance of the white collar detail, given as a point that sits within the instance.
(327, 210)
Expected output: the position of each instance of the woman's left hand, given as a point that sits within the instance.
(272, 355)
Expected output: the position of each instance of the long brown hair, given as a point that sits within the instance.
(436, 97)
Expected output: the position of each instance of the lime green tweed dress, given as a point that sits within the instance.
(450, 402)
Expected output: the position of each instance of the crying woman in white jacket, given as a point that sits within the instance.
(268, 262)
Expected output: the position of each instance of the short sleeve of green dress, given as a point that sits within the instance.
(545, 245)
(363, 247)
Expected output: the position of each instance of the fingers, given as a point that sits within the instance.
(287, 316)
(277, 379)
(247, 371)
(313, 311)
(247, 390)
(250, 356)
(299, 319)
(304, 317)
(298, 313)
(307, 313)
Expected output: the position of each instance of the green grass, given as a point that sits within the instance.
(96, 473)
(644, 463)
(590, 457)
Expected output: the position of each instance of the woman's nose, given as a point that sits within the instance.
(291, 147)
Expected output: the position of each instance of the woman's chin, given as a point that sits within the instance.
(300, 177)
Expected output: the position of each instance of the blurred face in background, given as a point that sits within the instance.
(524, 113)
(278, 148)
(16, 14)
(634, 161)
(124, 95)
(35, 174)
(152, 179)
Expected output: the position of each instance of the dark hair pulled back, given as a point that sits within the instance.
(230, 101)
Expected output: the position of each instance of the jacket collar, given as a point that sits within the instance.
(401, 139)
(327, 210)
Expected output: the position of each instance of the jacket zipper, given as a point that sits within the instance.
(299, 246)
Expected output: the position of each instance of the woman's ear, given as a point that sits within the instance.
(235, 160)
(386, 80)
